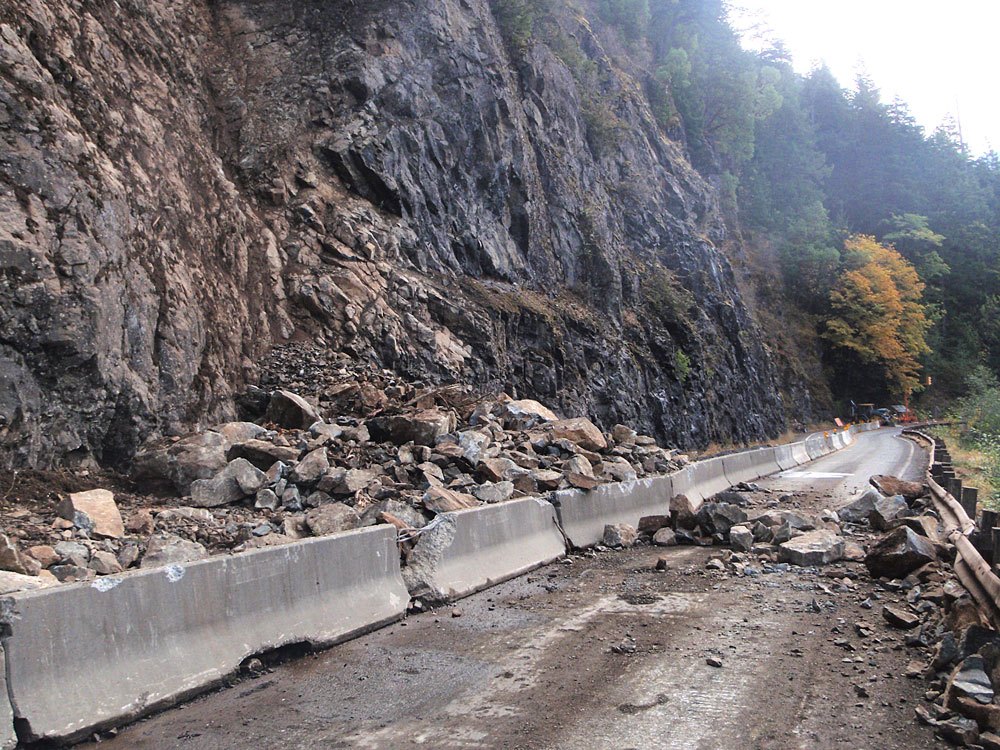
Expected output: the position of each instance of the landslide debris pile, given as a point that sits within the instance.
(395, 454)
(891, 535)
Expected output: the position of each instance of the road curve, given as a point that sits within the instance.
(602, 651)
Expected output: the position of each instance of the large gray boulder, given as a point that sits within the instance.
(889, 513)
(819, 547)
(238, 480)
(860, 510)
(899, 553)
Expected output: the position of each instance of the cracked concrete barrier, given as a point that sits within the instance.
(816, 447)
(748, 466)
(468, 550)
(83, 657)
(584, 514)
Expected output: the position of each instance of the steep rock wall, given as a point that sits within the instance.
(184, 184)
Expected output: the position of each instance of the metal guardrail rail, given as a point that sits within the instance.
(975, 573)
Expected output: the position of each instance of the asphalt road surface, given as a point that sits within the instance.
(603, 651)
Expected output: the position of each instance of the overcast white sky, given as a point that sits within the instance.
(942, 58)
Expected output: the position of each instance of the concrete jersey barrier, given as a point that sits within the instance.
(82, 657)
(469, 550)
(784, 456)
(710, 477)
(583, 515)
(748, 466)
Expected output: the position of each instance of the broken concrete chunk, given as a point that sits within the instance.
(291, 411)
(95, 511)
(819, 547)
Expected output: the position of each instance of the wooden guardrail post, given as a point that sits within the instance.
(969, 499)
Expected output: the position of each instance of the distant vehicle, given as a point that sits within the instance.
(886, 416)
(903, 414)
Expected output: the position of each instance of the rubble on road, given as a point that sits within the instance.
(359, 448)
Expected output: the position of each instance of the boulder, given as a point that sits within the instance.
(473, 444)
(899, 553)
(494, 492)
(329, 432)
(719, 518)
(197, 456)
(969, 679)
(289, 410)
(684, 512)
(405, 512)
(619, 535)
(312, 466)
(890, 486)
(95, 511)
(441, 500)
(11, 582)
(888, 513)
(104, 563)
(741, 538)
(263, 454)
(649, 525)
(665, 537)
(239, 432)
(859, 510)
(578, 465)
(266, 500)
(141, 522)
(169, 549)
(331, 518)
(782, 517)
(579, 430)
(346, 481)
(238, 480)
(546, 479)
(12, 560)
(623, 435)
(421, 428)
(818, 547)
(43, 554)
(526, 413)
(498, 469)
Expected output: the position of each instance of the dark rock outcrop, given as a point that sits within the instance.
(184, 185)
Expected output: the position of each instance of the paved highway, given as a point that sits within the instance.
(603, 651)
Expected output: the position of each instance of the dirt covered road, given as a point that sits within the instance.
(604, 651)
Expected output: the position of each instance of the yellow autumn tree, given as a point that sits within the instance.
(877, 311)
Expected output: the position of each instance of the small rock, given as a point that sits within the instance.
(141, 522)
(72, 573)
(44, 554)
(128, 555)
(971, 680)
(525, 414)
(579, 430)
(441, 500)
(899, 617)
(263, 454)
(238, 480)
(266, 500)
(346, 482)
(73, 553)
(741, 538)
(104, 563)
(714, 661)
(186, 513)
(12, 560)
(662, 564)
(422, 428)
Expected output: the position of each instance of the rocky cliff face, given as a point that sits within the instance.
(185, 184)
